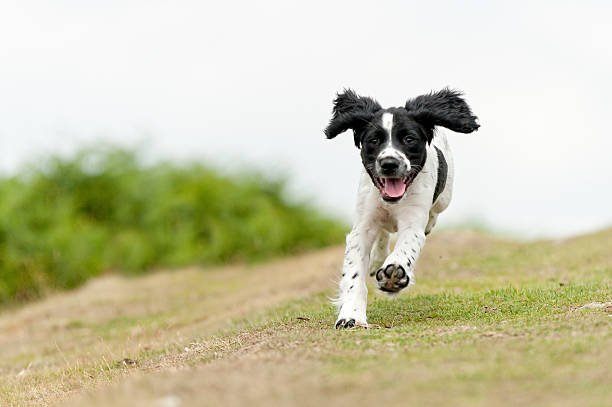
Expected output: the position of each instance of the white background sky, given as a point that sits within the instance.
(229, 83)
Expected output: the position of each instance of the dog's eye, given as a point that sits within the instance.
(373, 140)
(408, 139)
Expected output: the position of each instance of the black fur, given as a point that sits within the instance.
(445, 108)
(442, 174)
(351, 111)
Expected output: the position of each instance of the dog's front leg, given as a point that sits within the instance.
(353, 296)
(397, 272)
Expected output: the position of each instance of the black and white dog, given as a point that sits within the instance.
(407, 180)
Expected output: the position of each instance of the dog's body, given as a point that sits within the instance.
(406, 182)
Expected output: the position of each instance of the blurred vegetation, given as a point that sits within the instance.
(66, 220)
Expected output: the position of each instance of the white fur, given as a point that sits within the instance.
(387, 124)
(410, 218)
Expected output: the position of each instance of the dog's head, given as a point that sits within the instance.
(394, 141)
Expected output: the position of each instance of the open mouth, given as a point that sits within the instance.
(393, 189)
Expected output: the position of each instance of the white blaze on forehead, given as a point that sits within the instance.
(387, 123)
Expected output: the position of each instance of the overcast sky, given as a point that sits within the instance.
(229, 83)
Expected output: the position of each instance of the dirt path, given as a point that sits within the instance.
(82, 334)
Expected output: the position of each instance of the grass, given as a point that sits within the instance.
(490, 322)
(65, 220)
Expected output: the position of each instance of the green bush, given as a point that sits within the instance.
(67, 220)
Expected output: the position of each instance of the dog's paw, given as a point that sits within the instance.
(350, 317)
(392, 278)
(343, 323)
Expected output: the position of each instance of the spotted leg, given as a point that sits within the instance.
(353, 293)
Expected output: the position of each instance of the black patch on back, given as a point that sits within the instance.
(442, 174)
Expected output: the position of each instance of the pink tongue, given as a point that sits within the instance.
(394, 187)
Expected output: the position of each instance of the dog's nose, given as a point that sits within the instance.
(389, 165)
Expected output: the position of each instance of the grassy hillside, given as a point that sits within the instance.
(489, 322)
(65, 220)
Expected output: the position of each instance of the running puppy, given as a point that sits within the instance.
(406, 181)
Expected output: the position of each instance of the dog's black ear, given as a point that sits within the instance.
(445, 108)
(351, 111)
